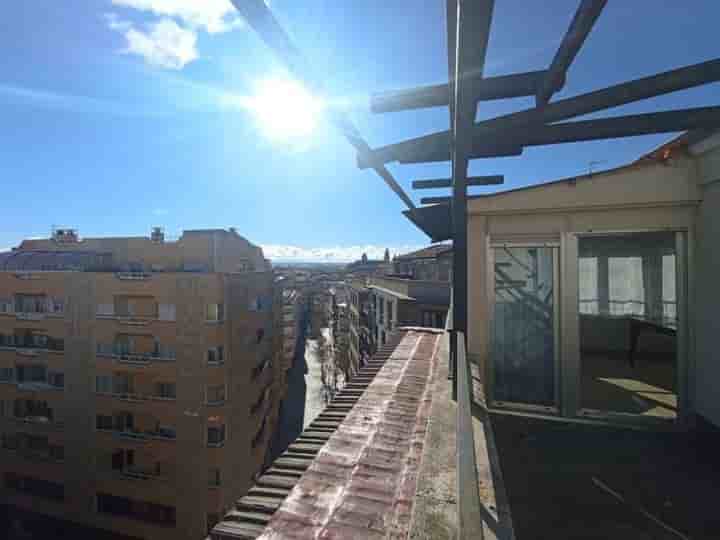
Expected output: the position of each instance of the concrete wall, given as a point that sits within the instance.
(706, 293)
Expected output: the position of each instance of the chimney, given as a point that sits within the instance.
(157, 235)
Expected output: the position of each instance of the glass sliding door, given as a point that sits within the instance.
(628, 323)
(524, 344)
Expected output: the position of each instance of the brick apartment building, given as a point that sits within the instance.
(139, 379)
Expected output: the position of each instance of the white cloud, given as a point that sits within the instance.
(166, 44)
(210, 15)
(280, 252)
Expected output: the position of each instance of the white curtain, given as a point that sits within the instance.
(628, 275)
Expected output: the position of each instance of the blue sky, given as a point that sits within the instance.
(115, 113)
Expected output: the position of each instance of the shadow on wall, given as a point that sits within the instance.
(292, 409)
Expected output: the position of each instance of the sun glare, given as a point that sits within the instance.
(285, 110)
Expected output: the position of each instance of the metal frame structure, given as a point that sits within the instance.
(468, 28)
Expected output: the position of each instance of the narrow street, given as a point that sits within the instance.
(307, 395)
(314, 402)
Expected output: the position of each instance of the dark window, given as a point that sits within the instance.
(216, 435)
(103, 422)
(165, 390)
(133, 509)
(35, 486)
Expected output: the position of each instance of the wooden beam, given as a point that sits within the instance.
(614, 128)
(447, 182)
(504, 86)
(435, 200)
(587, 13)
(683, 78)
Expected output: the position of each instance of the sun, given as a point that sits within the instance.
(285, 110)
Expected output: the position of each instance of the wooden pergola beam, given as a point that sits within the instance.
(412, 150)
(500, 87)
(587, 13)
(447, 182)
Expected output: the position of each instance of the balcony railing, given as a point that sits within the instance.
(138, 275)
(140, 436)
(42, 420)
(135, 397)
(37, 386)
(470, 520)
(30, 347)
(124, 356)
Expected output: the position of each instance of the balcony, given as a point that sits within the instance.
(33, 448)
(30, 343)
(40, 420)
(140, 436)
(122, 355)
(133, 276)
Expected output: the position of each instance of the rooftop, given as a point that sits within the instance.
(429, 252)
(353, 472)
(212, 250)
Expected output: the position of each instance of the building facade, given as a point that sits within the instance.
(595, 297)
(139, 388)
(433, 263)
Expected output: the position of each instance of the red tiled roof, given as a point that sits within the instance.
(361, 482)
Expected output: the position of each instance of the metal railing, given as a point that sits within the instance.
(468, 494)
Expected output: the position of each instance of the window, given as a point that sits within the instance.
(56, 379)
(134, 509)
(216, 435)
(30, 303)
(256, 304)
(31, 373)
(214, 477)
(57, 452)
(103, 384)
(107, 310)
(10, 441)
(165, 390)
(215, 312)
(6, 374)
(57, 305)
(166, 312)
(215, 355)
(103, 421)
(6, 305)
(167, 432)
(215, 394)
(34, 486)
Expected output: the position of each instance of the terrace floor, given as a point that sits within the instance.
(572, 480)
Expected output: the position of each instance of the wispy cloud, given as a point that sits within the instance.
(170, 41)
(213, 16)
(281, 252)
(166, 44)
(160, 212)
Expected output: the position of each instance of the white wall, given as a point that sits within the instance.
(706, 311)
